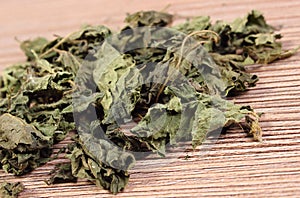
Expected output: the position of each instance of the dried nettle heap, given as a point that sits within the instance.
(178, 74)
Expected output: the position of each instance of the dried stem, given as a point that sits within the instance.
(216, 39)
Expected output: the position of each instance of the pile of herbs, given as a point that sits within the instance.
(94, 80)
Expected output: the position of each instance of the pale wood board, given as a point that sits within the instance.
(235, 165)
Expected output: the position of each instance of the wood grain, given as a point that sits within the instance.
(234, 165)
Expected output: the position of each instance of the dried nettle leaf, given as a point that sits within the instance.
(11, 190)
(61, 174)
(149, 18)
(23, 147)
(171, 83)
(85, 164)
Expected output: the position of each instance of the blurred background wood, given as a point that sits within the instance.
(235, 165)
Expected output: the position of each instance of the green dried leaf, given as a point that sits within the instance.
(61, 174)
(33, 46)
(11, 190)
(196, 23)
(22, 147)
(149, 18)
(86, 165)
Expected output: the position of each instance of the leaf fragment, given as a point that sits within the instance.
(11, 190)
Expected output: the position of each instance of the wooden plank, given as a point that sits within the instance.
(235, 165)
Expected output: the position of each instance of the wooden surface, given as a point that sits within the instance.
(235, 165)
